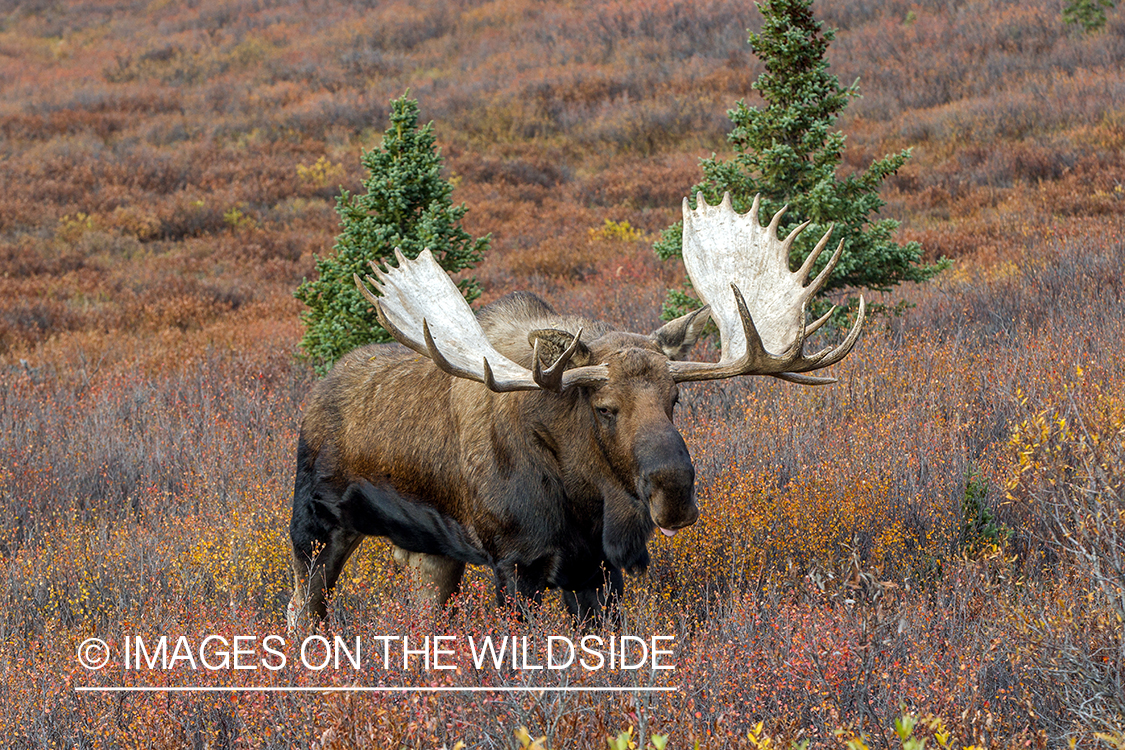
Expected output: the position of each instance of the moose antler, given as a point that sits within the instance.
(419, 291)
(761, 316)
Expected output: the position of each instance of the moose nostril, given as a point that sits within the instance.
(675, 485)
(671, 497)
(675, 481)
(693, 514)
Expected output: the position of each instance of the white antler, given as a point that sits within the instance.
(422, 308)
(741, 269)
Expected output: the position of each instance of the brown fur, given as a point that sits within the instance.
(552, 490)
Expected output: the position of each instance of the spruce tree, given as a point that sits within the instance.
(1089, 14)
(788, 151)
(406, 205)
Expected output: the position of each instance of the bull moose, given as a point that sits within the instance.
(538, 444)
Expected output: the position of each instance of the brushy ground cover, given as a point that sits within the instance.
(889, 545)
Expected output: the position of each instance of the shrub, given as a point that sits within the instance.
(788, 153)
(1089, 14)
(981, 531)
(1071, 460)
(407, 206)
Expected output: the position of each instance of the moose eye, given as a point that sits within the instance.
(606, 412)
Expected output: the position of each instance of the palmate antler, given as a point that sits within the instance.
(420, 291)
(738, 267)
(741, 269)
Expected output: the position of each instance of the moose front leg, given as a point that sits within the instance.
(519, 585)
(600, 605)
(320, 542)
(316, 568)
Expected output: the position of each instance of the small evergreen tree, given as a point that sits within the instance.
(788, 152)
(406, 205)
(1089, 14)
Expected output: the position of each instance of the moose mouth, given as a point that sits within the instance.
(671, 532)
(670, 523)
(669, 492)
(690, 516)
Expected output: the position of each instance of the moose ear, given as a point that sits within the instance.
(553, 342)
(677, 338)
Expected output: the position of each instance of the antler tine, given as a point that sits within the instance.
(439, 359)
(787, 243)
(753, 338)
(489, 378)
(853, 335)
(551, 379)
(822, 277)
(588, 375)
(365, 291)
(816, 324)
(762, 325)
(775, 222)
(806, 267)
(781, 250)
(379, 272)
(536, 367)
(830, 356)
(794, 377)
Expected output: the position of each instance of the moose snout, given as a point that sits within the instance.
(667, 482)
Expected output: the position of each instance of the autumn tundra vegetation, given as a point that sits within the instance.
(929, 550)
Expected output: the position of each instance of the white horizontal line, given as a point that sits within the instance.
(371, 689)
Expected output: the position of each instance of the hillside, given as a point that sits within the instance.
(896, 543)
(151, 152)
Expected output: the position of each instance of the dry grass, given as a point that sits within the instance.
(170, 171)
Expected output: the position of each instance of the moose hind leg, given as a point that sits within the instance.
(436, 577)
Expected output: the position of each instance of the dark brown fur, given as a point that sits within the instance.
(551, 490)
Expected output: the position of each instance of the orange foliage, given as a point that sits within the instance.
(168, 175)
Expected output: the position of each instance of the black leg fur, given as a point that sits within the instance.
(381, 511)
